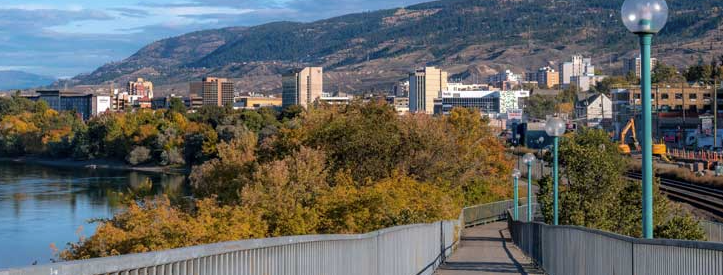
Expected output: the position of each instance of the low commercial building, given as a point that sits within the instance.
(256, 102)
(86, 105)
(400, 104)
(484, 101)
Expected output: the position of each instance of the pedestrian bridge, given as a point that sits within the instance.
(484, 240)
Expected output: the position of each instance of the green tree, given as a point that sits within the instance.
(596, 195)
(177, 105)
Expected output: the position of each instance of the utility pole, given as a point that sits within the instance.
(682, 89)
(715, 112)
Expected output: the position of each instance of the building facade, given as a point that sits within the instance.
(585, 82)
(86, 105)
(214, 91)
(545, 77)
(302, 86)
(633, 65)
(505, 80)
(578, 66)
(486, 102)
(596, 110)
(140, 87)
(669, 98)
(256, 102)
(424, 86)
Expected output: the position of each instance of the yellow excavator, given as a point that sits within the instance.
(659, 149)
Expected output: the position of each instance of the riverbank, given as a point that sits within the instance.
(94, 164)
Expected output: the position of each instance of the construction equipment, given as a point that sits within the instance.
(659, 149)
(624, 148)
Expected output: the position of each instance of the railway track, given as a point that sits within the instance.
(701, 197)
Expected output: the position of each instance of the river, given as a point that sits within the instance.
(42, 207)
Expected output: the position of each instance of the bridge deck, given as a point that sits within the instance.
(487, 249)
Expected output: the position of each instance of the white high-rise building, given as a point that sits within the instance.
(579, 66)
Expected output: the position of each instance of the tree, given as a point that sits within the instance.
(663, 73)
(597, 195)
(139, 155)
(177, 105)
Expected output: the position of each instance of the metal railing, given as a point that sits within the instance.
(713, 231)
(490, 212)
(562, 250)
(412, 249)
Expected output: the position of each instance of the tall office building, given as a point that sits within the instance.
(214, 91)
(424, 86)
(634, 64)
(302, 86)
(579, 66)
(545, 77)
(140, 87)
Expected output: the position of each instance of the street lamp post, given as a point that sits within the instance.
(516, 175)
(555, 127)
(645, 18)
(529, 159)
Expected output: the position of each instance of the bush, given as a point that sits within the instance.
(139, 155)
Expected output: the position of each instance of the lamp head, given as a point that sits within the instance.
(555, 127)
(528, 159)
(644, 16)
(516, 174)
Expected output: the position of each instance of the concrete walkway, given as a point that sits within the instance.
(487, 249)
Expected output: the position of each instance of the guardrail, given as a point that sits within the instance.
(563, 250)
(412, 249)
(490, 212)
(713, 231)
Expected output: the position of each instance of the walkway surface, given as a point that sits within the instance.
(487, 249)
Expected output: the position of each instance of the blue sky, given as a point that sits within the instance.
(63, 38)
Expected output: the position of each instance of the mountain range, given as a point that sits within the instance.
(373, 50)
(18, 80)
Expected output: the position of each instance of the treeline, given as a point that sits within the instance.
(333, 169)
(158, 137)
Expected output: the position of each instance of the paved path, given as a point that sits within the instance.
(487, 249)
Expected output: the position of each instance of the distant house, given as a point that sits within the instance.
(596, 110)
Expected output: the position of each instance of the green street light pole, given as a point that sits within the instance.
(646, 18)
(645, 41)
(529, 159)
(555, 127)
(516, 176)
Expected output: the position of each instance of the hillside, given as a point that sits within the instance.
(17, 80)
(470, 38)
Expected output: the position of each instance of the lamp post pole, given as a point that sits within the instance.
(646, 18)
(645, 41)
(555, 127)
(516, 176)
(529, 191)
(556, 141)
(529, 160)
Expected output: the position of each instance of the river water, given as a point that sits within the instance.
(42, 207)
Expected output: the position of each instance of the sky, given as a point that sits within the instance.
(63, 38)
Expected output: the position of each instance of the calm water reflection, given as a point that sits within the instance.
(40, 206)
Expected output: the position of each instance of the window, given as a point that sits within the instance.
(637, 96)
(679, 96)
(706, 96)
(678, 107)
(693, 96)
(664, 96)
